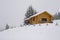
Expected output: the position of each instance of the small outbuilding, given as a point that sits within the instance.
(39, 18)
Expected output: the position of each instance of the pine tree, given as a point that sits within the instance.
(7, 26)
(30, 12)
(58, 15)
(55, 16)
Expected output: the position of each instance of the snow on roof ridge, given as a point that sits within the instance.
(36, 14)
(32, 16)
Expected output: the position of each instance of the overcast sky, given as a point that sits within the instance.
(12, 11)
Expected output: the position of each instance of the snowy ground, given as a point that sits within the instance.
(33, 32)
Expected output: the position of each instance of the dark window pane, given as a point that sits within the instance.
(44, 20)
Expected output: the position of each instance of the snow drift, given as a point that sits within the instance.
(33, 32)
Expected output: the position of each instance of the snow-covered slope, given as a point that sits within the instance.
(33, 32)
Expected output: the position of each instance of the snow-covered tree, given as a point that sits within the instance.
(7, 26)
(30, 12)
(57, 16)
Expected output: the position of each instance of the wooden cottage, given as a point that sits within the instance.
(43, 17)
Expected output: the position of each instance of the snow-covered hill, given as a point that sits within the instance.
(33, 32)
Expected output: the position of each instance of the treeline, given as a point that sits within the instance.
(56, 16)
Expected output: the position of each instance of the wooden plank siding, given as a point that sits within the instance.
(38, 18)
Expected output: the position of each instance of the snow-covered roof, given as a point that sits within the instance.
(32, 16)
(35, 15)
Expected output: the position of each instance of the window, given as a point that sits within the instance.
(44, 20)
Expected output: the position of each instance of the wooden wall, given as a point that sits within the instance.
(37, 19)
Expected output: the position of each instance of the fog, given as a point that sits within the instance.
(12, 11)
